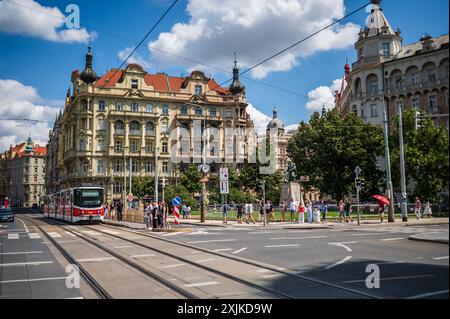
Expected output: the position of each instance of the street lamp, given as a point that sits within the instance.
(204, 167)
(404, 199)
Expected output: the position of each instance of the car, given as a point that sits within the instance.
(6, 214)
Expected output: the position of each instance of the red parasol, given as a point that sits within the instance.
(382, 199)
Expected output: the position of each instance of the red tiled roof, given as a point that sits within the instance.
(110, 79)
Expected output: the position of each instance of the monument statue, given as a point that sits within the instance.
(291, 173)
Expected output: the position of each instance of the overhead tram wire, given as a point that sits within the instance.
(291, 46)
(26, 120)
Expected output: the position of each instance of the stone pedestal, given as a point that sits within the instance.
(290, 191)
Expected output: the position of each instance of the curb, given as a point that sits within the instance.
(172, 230)
(437, 241)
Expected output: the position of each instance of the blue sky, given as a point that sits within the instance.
(47, 65)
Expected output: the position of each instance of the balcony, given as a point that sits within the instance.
(135, 133)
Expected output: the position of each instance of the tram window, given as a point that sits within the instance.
(88, 198)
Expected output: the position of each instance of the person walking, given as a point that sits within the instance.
(341, 210)
(240, 212)
(309, 209)
(381, 211)
(147, 215)
(119, 210)
(347, 209)
(417, 208)
(250, 209)
(283, 211)
(292, 208)
(189, 211)
(261, 211)
(427, 210)
(324, 210)
(301, 214)
(105, 211)
(224, 213)
(185, 211)
(160, 214)
(154, 215)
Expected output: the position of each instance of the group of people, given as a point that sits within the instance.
(247, 210)
(309, 209)
(186, 211)
(419, 212)
(114, 207)
(155, 215)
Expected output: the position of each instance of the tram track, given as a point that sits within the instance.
(238, 259)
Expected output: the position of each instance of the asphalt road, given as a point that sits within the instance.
(30, 267)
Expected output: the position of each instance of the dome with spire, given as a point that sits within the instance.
(275, 122)
(236, 86)
(88, 75)
(377, 22)
(29, 147)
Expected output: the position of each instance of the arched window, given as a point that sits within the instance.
(184, 110)
(165, 126)
(198, 111)
(119, 127)
(135, 128)
(149, 128)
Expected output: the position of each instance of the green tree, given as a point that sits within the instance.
(173, 191)
(426, 158)
(143, 186)
(191, 180)
(329, 148)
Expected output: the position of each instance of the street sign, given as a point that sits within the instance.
(304, 178)
(224, 174)
(176, 201)
(224, 187)
(357, 170)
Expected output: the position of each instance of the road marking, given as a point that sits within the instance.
(34, 235)
(239, 251)
(371, 234)
(278, 238)
(210, 241)
(173, 234)
(310, 237)
(222, 249)
(271, 276)
(54, 235)
(441, 258)
(111, 232)
(263, 270)
(23, 252)
(142, 256)
(281, 246)
(91, 232)
(37, 263)
(392, 239)
(201, 284)
(70, 234)
(32, 280)
(339, 262)
(96, 259)
(173, 266)
(76, 298)
(262, 232)
(391, 278)
(204, 260)
(120, 247)
(24, 226)
(428, 294)
(13, 236)
(343, 245)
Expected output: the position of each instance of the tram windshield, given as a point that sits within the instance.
(88, 198)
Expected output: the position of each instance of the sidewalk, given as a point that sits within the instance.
(433, 237)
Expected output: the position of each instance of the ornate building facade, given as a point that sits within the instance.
(122, 123)
(411, 76)
(22, 174)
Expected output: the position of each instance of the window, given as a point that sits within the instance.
(149, 128)
(398, 104)
(373, 87)
(117, 187)
(101, 106)
(85, 167)
(148, 167)
(134, 146)
(165, 167)
(134, 84)
(118, 167)
(374, 110)
(198, 90)
(149, 108)
(165, 127)
(134, 166)
(198, 111)
(85, 124)
(101, 124)
(82, 145)
(165, 148)
(100, 145)
(119, 128)
(165, 109)
(118, 146)
(134, 107)
(100, 166)
(135, 128)
(35, 170)
(414, 78)
(432, 103)
(148, 146)
(431, 75)
(415, 102)
(119, 106)
(213, 111)
(229, 113)
(360, 53)
(386, 50)
(398, 81)
(184, 110)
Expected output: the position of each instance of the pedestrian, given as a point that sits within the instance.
(269, 209)
(111, 211)
(309, 209)
(250, 209)
(224, 213)
(341, 210)
(240, 212)
(301, 214)
(147, 215)
(427, 210)
(189, 210)
(381, 211)
(283, 211)
(155, 214)
(119, 210)
(261, 211)
(347, 209)
(324, 210)
(105, 211)
(292, 208)
(184, 211)
(417, 208)
(160, 214)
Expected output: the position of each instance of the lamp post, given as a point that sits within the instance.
(204, 167)
(404, 203)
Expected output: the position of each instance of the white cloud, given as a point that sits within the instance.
(18, 101)
(291, 128)
(256, 30)
(260, 120)
(30, 18)
(323, 95)
(135, 58)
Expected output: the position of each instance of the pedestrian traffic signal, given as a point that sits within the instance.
(418, 121)
(360, 183)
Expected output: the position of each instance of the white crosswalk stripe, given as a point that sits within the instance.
(13, 236)
(34, 236)
(54, 235)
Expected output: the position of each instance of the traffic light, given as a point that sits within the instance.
(360, 183)
(418, 121)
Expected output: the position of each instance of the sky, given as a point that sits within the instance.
(38, 52)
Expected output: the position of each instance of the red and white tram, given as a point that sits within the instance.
(76, 204)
